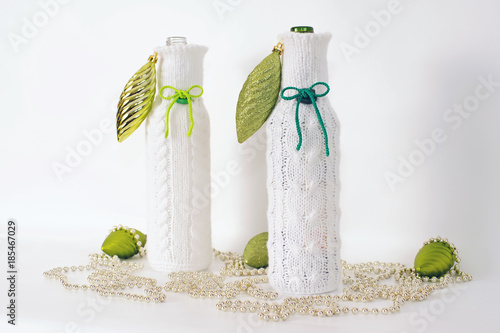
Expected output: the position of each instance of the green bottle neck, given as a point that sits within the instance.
(302, 29)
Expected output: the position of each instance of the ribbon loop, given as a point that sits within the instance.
(181, 97)
(308, 94)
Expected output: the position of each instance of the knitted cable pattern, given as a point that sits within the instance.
(303, 213)
(179, 230)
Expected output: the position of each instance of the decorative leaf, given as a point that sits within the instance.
(434, 259)
(255, 253)
(123, 243)
(136, 99)
(258, 96)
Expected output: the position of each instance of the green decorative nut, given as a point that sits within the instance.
(255, 254)
(124, 242)
(434, 259)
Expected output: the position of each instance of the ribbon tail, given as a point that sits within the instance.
(191, 124)
(297, 123)
(320, 120)
(167, 116)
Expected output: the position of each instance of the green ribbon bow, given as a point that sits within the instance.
(181, 97)
(308, 96)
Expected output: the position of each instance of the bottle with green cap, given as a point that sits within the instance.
(302, 157)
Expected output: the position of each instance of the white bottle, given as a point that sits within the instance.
(303, 211)
(179, 223)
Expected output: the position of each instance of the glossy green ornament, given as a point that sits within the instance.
(255, 253)
(435, 258)
(136, 100)
(259, 95)
(124, 243)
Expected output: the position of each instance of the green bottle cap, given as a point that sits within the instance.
(302, 29)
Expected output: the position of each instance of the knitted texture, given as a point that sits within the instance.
(303, 213)
(179, 231)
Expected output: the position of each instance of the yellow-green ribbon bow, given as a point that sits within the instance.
(181, 97)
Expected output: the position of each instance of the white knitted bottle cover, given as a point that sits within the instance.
(179, 230)
(303, 213)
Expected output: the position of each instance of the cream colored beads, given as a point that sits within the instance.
(239, 288)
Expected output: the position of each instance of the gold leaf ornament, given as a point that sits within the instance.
(136, 99)
(259, 95)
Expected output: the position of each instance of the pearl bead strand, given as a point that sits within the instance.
(363, 283)
(110, 277)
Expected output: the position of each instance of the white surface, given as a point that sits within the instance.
(44, 306)
(66, 80)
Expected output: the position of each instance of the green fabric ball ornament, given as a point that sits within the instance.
(255, 253)
(124, 242)
(435, 258)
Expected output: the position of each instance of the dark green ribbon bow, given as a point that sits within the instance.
(308, 96)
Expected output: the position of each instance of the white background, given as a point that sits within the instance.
(63, 78)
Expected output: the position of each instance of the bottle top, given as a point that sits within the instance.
(302, 29)
(176, 40)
